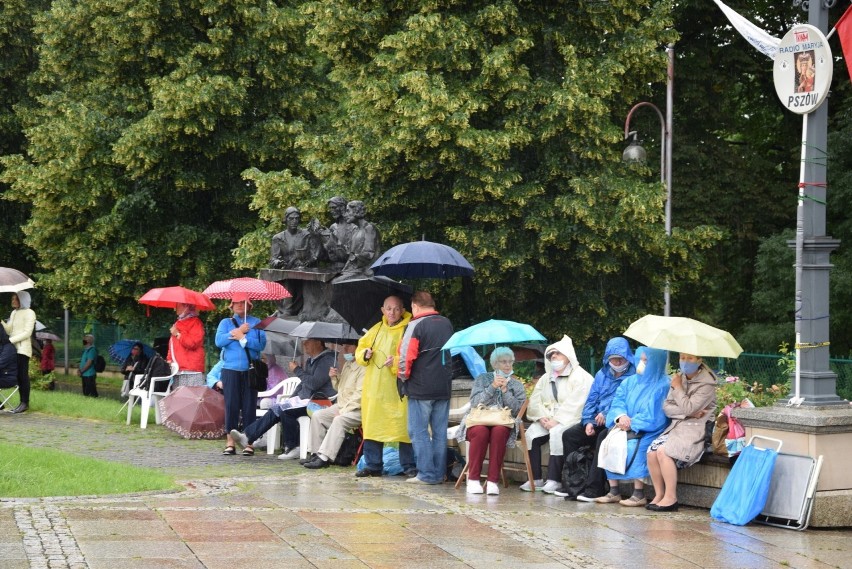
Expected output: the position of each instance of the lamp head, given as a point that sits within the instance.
(634, 151)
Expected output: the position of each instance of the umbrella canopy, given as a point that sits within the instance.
(359, 301)
(255, 289)
(494, 332)
(337, 332)
(119, 351)
(422, 260)
(13, 280)
(277, 324)
(684, 335)
(194, 412)
(45, 335)
(169, 296)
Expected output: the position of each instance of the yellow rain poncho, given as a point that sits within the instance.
(384, 416)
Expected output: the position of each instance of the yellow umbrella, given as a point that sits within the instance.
(685, 335)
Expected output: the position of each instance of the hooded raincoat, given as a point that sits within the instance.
(572, 389)
(605, 384)
(384, 415)
(640, 397)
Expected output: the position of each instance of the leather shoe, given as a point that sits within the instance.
(20, 408)
(657, 508)
(309, 458)
(367, 473)
(410, 473)
(317, 462)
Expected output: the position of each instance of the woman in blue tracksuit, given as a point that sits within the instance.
(233, 336)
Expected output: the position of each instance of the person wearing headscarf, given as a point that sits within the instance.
(690, 403)
(638, 409)
(186, 346)
(20, 328)
(556, 403)
(135, 363)
(591, 431)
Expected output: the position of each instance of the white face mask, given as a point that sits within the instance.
(640, 367)
(505, 373)
(557, 365)
(619, 369)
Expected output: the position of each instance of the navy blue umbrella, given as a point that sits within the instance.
(121, 349)
(422, 260)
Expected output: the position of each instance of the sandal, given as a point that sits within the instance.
(229, 450)
(248, 451)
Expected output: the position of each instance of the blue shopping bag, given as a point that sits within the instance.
(746, 489)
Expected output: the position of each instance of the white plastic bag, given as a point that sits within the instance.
(612, 455)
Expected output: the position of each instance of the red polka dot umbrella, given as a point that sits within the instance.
(247, 287)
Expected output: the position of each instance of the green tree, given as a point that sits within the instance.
(493, 126)
(149, 111)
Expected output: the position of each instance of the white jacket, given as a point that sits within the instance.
(572, 389)
(21, 324)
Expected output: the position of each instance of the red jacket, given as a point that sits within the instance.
(188, 350)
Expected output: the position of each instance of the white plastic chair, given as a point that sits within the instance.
(281, 391)
(148, 396)
(305, 432)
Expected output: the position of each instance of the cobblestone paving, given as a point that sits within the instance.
(262, 512)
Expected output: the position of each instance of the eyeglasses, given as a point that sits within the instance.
(392, 309)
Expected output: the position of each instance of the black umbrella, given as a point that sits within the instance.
(359, 301)
(331, 332)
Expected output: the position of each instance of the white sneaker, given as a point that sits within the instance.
(239, 438)
(551, 486)
(538, 484)
(491, 488)
(474, 487)
(290, 454)
(584, 498)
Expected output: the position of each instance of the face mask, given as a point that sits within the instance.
(505, 373)
(557, 365)
(640, 367)
(619, 369)
(689, 367)
(349, 357)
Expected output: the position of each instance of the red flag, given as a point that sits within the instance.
(844, 32)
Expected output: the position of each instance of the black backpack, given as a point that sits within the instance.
(157, 367)
(350, 449)
(576, 470)
(455, 464)
(100, 363)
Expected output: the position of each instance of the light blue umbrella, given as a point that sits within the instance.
(494, 332)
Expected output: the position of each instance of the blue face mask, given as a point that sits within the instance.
(349, 357)
(689, 368)
(505, 373)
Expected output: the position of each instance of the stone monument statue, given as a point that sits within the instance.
(364, 243)
(335, 239)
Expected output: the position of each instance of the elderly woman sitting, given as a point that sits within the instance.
(690, 403)
(497, 389)
(638, 409)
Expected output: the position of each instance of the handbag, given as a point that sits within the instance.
(258, 371)
(489, 416)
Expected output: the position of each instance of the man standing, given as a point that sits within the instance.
(426, 377)
(329, 425)
(384, 414)
(87, 370)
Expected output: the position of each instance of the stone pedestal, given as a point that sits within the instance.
(311, 290)
(813, 431)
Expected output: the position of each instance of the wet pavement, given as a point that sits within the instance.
(258, 512)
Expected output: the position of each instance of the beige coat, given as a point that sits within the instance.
(349, 385)
(686, 434)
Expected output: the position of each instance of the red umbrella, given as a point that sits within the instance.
(194, 412)
(168, 297)
(254, 289)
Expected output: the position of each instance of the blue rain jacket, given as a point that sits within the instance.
(605, 384)
(641, 397)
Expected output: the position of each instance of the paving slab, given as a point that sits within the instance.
(258, 512)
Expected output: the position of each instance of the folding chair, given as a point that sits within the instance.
(281, 391)
(522, 442)
(149, 395)
(7, 385)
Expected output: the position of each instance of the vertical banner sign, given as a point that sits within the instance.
(803, 68)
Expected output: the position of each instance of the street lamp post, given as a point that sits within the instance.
(635, 153)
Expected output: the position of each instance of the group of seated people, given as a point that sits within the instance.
(664, 418)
